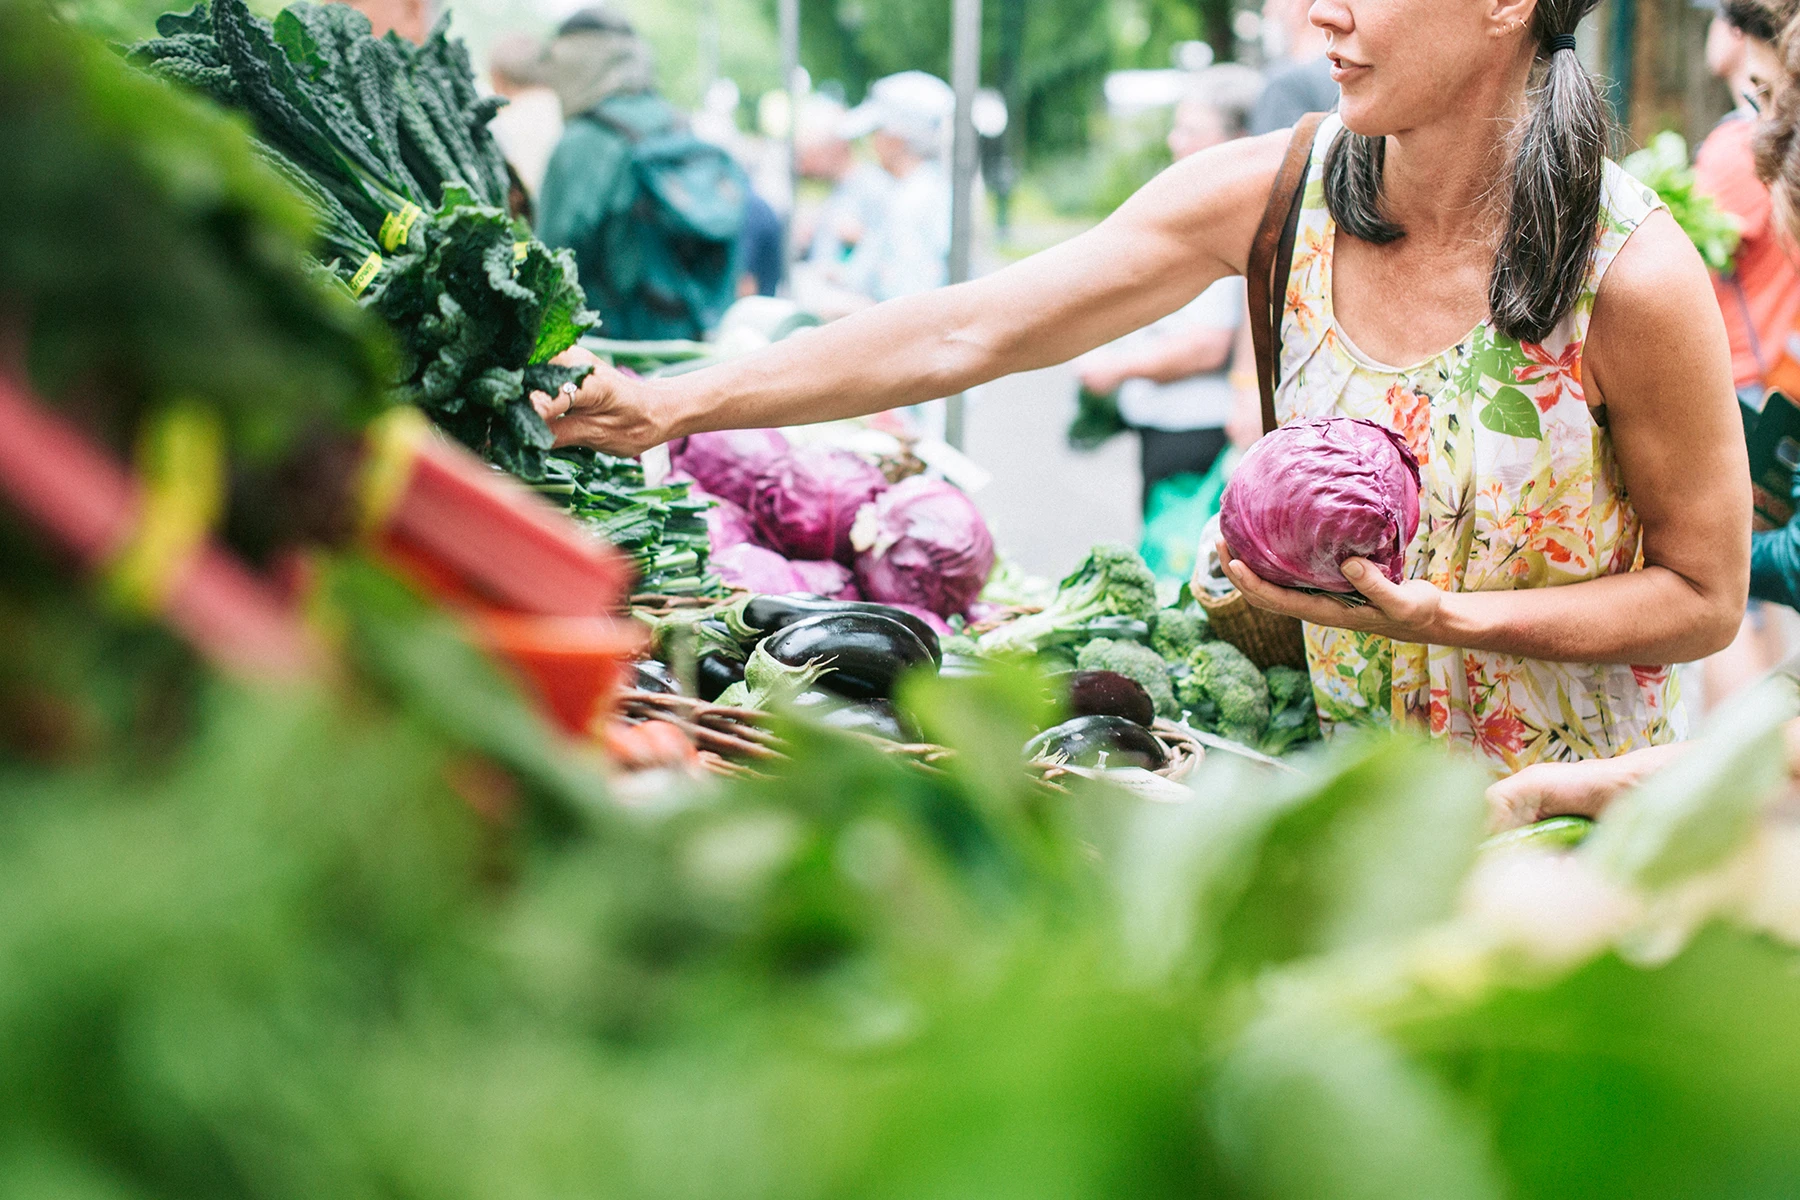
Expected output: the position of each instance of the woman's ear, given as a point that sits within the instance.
(1508, 19)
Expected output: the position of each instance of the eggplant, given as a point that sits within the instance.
(772, 614)
(877, 717)
(864, 652)
(714, 673)
(1099, 742)
(652, 676)
(1110, 694)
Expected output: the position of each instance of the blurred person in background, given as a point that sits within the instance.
(530, 125)
(1171, 378)
(907, 249)
(1298, 79)
(653, 214)
(409, 19)
(762, 252)
(826, 234)
(1760, 296)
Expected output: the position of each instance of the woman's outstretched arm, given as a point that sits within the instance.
(1187, 228)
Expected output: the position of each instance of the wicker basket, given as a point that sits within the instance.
(1267, 639)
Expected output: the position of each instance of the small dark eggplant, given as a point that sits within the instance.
(1110, 694)
(877, 717)
(652, 676)
(865, 652)
(1099, 742)
(714, 673)
(772, 614)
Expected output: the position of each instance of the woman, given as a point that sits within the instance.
(1584, 429)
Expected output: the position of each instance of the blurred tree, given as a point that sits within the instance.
(1048, 59)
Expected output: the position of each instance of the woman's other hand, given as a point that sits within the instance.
(1407, 612)
(610, 411)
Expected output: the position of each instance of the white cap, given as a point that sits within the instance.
(913, 106)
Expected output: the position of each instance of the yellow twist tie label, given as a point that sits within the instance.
(181, 470)
(365, 275)
(520, 250)
(396, 228)
(387, 465)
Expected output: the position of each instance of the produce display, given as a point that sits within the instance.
(389, 143)
(1109, 647)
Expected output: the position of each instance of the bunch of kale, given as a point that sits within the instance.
(389, 142)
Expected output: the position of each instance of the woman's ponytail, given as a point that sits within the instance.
(1558, 179)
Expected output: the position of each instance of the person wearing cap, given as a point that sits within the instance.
(653, 214)
(827, 234)
(907, 250)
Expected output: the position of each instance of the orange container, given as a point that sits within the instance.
(575, 666)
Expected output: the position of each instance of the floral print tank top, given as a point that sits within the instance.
(1521, 490)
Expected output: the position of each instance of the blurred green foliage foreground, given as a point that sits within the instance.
(257, 944)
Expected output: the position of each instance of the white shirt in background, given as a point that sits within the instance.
(1199, 401)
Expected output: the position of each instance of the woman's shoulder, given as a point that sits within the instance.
(1214, 198)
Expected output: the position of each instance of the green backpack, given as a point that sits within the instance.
(671, 268)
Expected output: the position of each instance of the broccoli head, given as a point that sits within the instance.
(1177, 631)
(1293, 719)
(1224, 693)
(1133, 661)
(1112, 582)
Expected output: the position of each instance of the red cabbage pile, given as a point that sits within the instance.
(804, 503)
(831, 580)
(924, 544)
(726, 464)
(727, 525)
(1310, 495)
(757, 570)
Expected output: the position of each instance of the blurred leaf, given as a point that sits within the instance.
(1691, 815)
(1258, 870)
(1617, 1081)
(1310, 1107)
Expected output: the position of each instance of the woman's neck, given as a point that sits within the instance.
(1447, 180)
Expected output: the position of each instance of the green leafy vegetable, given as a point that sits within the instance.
(1663, 166)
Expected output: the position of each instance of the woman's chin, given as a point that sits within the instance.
(1364, 119)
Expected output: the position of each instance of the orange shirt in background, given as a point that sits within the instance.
(1765, 284)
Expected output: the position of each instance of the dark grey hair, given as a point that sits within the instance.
(1558, 173)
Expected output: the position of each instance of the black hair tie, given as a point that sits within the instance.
(1562, 41)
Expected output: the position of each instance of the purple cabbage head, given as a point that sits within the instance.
(1310, 495)
(727, 525)
(924, 544)
(832, 580)
(754, 569)
(726, 464)
(805, 502)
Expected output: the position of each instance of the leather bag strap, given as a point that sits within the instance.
(1272, 259)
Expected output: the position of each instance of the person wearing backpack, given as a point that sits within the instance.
(653, 214)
